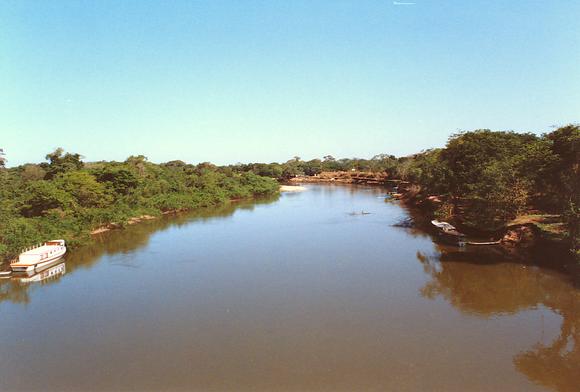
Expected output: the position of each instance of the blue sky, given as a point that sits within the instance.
(229, 81)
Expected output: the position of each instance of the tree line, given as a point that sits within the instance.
(483, 179)
(488, 178)
(68, 198)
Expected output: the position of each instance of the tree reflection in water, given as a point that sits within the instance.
(124, 241)
(487, 287)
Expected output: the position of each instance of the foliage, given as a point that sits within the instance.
(483, 178)
(62, 163)
(297, 167)
(491, 177)
(65, 198)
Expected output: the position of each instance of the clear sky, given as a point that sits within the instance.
(238, 81)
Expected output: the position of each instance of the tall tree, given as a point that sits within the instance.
(59, 162)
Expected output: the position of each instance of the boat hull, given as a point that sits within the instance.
(39, 266)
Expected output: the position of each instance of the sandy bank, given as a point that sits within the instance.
(292, 188)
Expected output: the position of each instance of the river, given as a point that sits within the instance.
(300, 292)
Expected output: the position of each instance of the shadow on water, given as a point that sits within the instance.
(548, 256)
(126, 240)
(488, 282)
(502, 288)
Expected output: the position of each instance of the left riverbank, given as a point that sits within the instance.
(70, 199)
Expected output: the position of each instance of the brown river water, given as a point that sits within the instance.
(296, 293)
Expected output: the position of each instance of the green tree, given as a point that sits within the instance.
(483, 175)
(61, 163)
(42, 196)
(121, 179)
(85, 189)
(138, 162)
(565, 178)
(312, 167)
(31, 172)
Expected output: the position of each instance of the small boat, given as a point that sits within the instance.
(449, 233)
(40, 257)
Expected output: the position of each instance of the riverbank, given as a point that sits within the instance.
(523, 237)
(86, 236)
(520, 238)
(73, 202)
(345, 177)
(141, 218)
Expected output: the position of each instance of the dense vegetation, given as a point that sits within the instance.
(296, 167)
(487, 178)
(484, 179)
(66, 198)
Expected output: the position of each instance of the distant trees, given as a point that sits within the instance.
(312, 167)
(296, 166)
(59, 162)
(2, 158)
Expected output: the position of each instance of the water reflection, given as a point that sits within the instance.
(497, 288)
(46, 275)
(17, 288)
(137, 236)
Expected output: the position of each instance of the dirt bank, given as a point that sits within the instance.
(345, 177)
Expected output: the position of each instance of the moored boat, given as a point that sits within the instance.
(448, 233)
(39, 257)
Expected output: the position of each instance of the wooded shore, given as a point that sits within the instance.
(518, 238)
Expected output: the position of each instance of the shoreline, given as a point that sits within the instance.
(520, 239)
(142, 218)
(5, 263)
(138, 219)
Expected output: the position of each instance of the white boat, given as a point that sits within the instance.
(444, 226)
(39, 257)
(449, 233)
